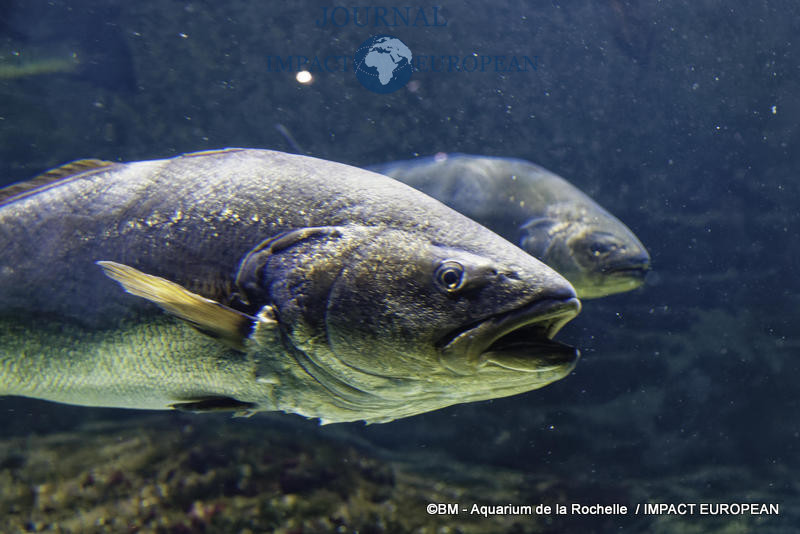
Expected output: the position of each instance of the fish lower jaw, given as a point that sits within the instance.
(611, 283)
(534, 324)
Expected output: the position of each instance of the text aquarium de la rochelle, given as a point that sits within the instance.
(393, 17)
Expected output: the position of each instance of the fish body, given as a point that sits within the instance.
(252, 280)
(541, 212)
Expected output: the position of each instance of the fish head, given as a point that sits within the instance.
(421, 324)
(591, 248)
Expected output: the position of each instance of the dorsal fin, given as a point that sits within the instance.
(49, 178)
(212, 152)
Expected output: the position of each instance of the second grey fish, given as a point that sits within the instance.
(538, 210)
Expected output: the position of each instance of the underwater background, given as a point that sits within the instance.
(681, 118)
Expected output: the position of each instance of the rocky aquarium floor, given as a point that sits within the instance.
(177, 474)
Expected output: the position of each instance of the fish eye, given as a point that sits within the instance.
(599, 249)
(601, 244)
(450, 276)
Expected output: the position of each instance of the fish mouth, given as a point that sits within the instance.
(631, 268)
(519, 340)
(638, 273)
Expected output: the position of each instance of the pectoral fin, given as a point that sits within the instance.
(215, 404)
(208, 316)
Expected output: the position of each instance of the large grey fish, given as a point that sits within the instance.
(310, 286)
(540, 211)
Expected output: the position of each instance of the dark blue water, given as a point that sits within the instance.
(679, 117)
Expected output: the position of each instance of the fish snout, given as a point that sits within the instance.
(633, 266)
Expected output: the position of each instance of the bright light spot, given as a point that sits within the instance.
(304, 77)
(774, 110)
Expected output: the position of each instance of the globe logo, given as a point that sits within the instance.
(383, 64)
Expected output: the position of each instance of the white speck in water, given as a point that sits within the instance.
(774, 110)
(304, 77)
